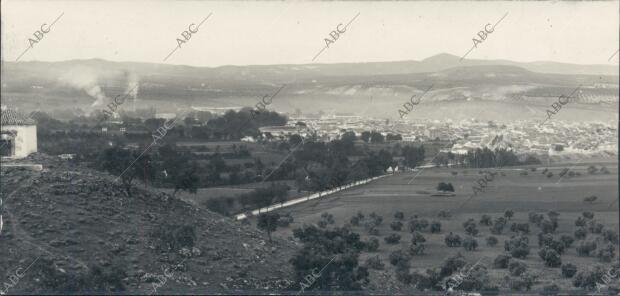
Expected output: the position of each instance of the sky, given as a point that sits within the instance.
(293, 32)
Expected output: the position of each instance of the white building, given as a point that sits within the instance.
(18, 134)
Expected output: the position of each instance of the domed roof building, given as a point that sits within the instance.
(18, 134)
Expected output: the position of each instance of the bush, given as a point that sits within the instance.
(580, 233)
(523, 283)
(569, 270)
(553, 215)
(453, 240)
(516, 267)
(417, 237)
(595, 227)
(544, 239)
(485, 220)
(535, 218)
(550, 256)
(588, 279)
(285, 220)
(452, 264)
(328, 218)
(435, 227)
(580, 222)
(373, 230)
(399, 215)
(517, 246)
(509, 214)
(396, 225)
(586, 248)
(606, 253)
(392, 239)
(588, 215)
(498, 226)
(375, 263)
(444, 214)
(590, 199)
(417, 224)
(610, 236)
(376, 218)
(501, 261)
(567, 240)
(355, 220)
(399, 256)
(471, 229)
(416, 249)
(548, 226)
(372, 245)
(523, 228)
(445, 187)
(97, 279)
(470, 243)
(492, 241)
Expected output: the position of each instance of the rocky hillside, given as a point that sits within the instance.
(79, 232)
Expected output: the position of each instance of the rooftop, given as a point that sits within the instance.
(10, 116)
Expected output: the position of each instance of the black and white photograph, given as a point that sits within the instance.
(184, 147)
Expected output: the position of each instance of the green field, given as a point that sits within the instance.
(522, 194)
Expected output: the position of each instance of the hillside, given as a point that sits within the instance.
(72, 221)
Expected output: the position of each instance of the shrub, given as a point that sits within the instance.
(355, 220)
(417, 237)
(485, 220)
(471, 229)
(523, 283)
(550, 256)
(535, 218)
(470, 243)
(492, 241)
(399, 256)
(399, 215)
(580, 222)
(606, 253)
(375, 263)
(569, 270)
(454, 173)
(567, 240)
(376, 218)
(396, 225)
(453, 240)
(585, 248)
(416, 249)
(595, 227)
(372, 245)
(417, 224)
(452, 264)
(517, 246)
(549, 174)
(285, 220)
(580, 233)
(445, 187)
(501, 261)
(97, 279)
(392, 239)
(588, 279)
(590, 199)
(604, 170)
(588, 215)
(548, 226)
(523, 173)
(444, 214)
(516, 267)
(544, 239)
(610, 236)
(403, 276)
(553, 215)
(372, 230)
(498, 226)
(435, 227)
(509, 214)
(523, 228)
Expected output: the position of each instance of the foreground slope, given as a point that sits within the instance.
(72, 224)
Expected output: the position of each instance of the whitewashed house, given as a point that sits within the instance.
(18, 134)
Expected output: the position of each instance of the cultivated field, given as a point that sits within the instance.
(514, 191)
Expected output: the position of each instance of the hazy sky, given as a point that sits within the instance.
(292, 32)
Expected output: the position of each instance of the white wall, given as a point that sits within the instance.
(25, 140)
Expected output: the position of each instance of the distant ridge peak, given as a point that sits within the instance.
(441, 57)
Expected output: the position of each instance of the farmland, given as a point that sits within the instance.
(510, 189)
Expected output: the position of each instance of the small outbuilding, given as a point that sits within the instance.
(18, 134)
